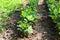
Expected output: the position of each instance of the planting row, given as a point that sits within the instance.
(54, 8)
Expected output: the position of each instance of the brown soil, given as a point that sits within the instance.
(34, 36)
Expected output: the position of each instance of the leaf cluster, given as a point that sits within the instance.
(54, 8)
(29, 15)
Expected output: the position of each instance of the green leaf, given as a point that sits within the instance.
(30, 30)
(59, 10)
(55, 11)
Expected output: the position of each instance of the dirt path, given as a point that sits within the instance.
(45, 24)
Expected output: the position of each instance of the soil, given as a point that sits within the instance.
(11, 27)
(44, 29)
